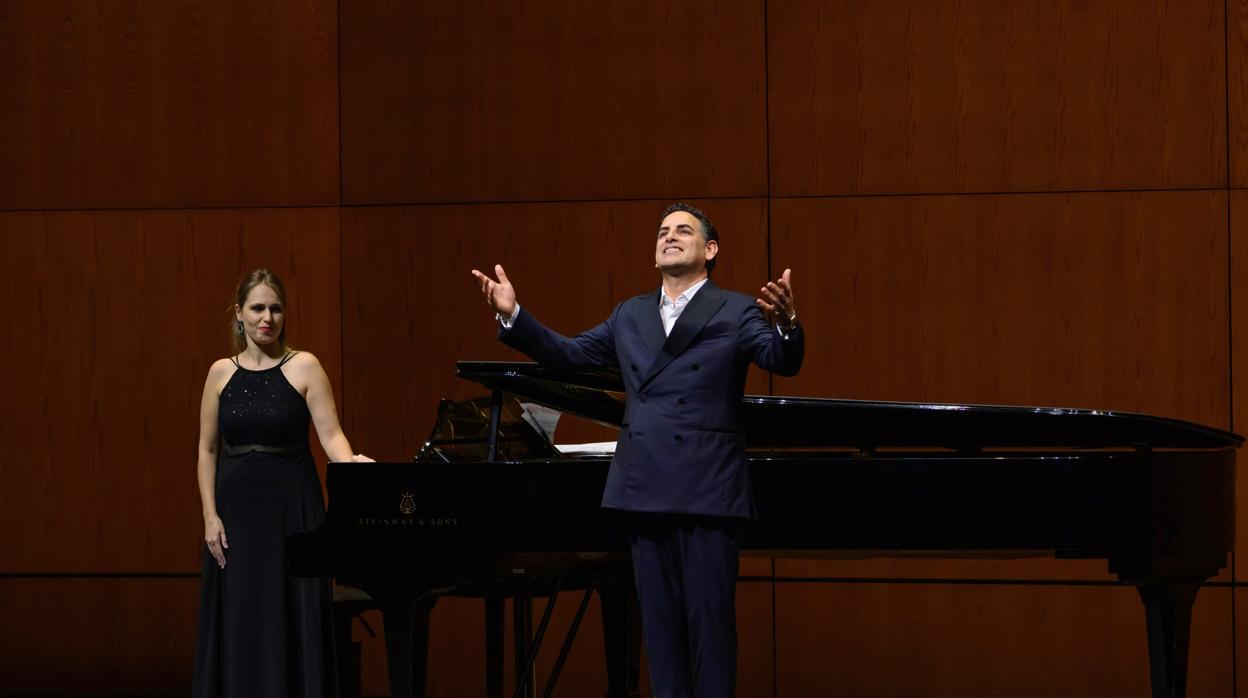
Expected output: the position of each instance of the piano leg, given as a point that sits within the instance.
(522, 611)
(1168, 611)
(346, 653)
(494, 641)
(407, 649)
(621, 639)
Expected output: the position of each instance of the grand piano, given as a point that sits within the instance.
(490, 508)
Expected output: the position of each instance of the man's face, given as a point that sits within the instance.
(681, 247)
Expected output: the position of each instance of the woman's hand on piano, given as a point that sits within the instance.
(214, 538)
(361, 458)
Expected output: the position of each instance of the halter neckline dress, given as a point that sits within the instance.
(262, 633)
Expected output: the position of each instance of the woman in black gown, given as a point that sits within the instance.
(261, 633)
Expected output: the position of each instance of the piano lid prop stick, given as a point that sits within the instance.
(496, 411)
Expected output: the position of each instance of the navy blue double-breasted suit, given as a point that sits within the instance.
(680, 449)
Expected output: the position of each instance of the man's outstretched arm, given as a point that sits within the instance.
(779, 350)
(595, 347)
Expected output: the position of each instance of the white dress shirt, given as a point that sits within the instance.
(670, 311)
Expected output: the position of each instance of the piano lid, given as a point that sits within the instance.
(802, 422)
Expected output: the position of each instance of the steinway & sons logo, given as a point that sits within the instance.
(407, 511)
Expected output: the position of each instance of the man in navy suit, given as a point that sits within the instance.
(679, 470)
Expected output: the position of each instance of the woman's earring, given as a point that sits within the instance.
(240, 326)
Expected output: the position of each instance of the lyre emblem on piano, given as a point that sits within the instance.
(407, 504)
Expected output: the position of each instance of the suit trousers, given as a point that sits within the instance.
(685, 569)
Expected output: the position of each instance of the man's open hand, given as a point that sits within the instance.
(499, 294)
(777, 300)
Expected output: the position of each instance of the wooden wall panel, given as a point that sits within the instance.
(983, 640)
(97, 636)
(552, 100)
(755, 640)
(1238, 264)
(115, 320)
(1241, 639)
(1237, 90)
(917, 97)
(168, 104)
(1113, 300)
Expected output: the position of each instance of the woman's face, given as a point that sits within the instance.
(262, 315)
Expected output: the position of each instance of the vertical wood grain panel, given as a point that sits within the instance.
(1239, 370)
(983, 640)
(184, 103)
(1237, 90)
(1241, 640)
(97, 636)
(755, 668)
(119, 315)
(552, 100)
(915, 97)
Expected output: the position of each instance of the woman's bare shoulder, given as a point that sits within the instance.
(304, 360)
(221, 367)
(305, 367)
(218, 375)
(304, 355)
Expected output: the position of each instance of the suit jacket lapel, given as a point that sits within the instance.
(650, 324)
(692, 319)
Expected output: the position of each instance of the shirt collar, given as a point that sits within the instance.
(688, 293)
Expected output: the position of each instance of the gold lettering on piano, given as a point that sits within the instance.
(407, 521)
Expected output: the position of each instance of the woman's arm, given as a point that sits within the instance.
(214, 530)
(320, 397)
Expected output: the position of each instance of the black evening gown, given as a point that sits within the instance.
(261, 633)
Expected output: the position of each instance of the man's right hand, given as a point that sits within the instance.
(499, 294)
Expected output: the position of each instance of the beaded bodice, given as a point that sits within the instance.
(262, 408)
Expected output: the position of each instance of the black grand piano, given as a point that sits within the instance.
(490, 508)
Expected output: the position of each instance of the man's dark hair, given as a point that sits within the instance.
(708, 228)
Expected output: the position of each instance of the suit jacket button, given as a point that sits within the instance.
(642, 397)
(695, 367)
(680, 401)
(679, 437)
(635, 367)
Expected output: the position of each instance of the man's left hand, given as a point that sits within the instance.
(777, 301)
